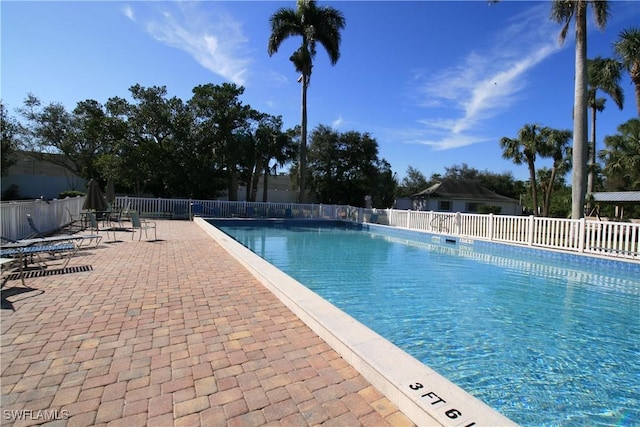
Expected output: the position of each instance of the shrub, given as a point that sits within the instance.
(70, 193)
(487, 209)
(11, 193)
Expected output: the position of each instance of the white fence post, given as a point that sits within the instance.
(581, 234)
(531, 230)
(490, 228)
(409, 219)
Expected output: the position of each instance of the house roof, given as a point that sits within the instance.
(617, 197)
(461, 189)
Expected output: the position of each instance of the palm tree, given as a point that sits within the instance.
(313, 24)
(524, 149)
(622, 157)
(628, 50)
(272, 143)
(603, 74)
(556, 146)
(563, 11)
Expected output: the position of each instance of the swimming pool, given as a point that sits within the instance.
(541, 343)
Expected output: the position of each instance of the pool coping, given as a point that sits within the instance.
(423, 395)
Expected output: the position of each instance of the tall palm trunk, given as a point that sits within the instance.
(232, 187)
(592, 151)
(635, 76)
(255, 178)
(547, 197)
(534, 189)
(265, 185)
(303, 141)
(580, 146)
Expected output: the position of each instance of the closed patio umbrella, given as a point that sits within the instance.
(110, 194)
(94, 201)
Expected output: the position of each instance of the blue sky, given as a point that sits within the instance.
(436, 83)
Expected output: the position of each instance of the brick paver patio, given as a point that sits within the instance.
(170, 333)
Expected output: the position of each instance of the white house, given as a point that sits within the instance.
(465, 196)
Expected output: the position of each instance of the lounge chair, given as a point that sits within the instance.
(34, 252)
(82, 240)
(35, 232)
(142, 224)
(38, 237)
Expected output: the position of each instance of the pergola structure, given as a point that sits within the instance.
(618, 198)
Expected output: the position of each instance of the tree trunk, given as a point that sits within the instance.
(534, 189)
(233, 182)
(580, 145)
(303, 141)
(265, 185)
(592, 151)
(254, 183)
(636, 82)
(547, 197)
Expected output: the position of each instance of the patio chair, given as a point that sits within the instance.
(94, 226)
(142, 224)
(75, 222)
(112, 215)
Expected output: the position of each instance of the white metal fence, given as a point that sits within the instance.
(605, 238)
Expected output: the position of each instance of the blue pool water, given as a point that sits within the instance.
(544, 339)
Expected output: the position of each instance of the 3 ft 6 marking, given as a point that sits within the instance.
(435, 399)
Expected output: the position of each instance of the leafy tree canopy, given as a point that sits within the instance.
(345, 167)
(153, 145)
(9, 129)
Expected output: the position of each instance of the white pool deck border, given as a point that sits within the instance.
(423, 395)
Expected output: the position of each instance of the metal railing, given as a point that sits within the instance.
(188, 208)
(604, 238)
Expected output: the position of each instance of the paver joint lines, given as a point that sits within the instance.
(172, 332)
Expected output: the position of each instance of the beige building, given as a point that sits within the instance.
(37, 179)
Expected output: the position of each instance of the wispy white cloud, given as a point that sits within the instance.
(216, 42)
(447, 142)
(337, 123)
(128, 12)
(485, 82)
